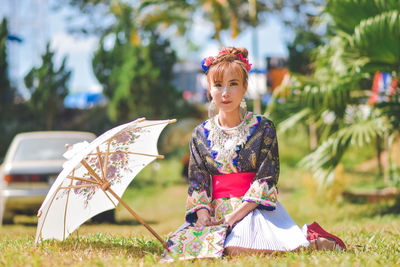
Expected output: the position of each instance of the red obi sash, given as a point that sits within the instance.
(231, 185)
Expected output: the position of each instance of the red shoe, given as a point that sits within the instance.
(314, 231)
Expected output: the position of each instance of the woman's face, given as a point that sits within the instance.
(228, 91)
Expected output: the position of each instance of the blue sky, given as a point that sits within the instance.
(53, 27)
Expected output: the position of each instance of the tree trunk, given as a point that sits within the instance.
(389, 173)
(379, 154)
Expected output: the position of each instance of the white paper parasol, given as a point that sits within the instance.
(96, 176)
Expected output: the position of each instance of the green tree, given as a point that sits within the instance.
(334, 96)
(136, 73)
(48, 87)
(7, 93)
(303, 18)
(12, 112)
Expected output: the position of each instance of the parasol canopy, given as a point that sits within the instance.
(96, 175)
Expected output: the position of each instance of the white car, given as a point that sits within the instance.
(31, 165)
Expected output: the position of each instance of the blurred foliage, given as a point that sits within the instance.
(94, 120)
(136, 73)
(331, 100)
(48, 87)
(303, 17)
(233, 15)
(176, 137)
(133, 63)
(300, 14)
(178, 16)
(12, 108)
(134, 60)
(7, 92)
(300, 51)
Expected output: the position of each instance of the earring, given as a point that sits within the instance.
(212, 109)
(242, 109)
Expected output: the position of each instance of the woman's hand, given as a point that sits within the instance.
(229, 220)
(203, 218)
(232, 218)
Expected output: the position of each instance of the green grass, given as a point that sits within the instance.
(372, 231)
(164, 173)
(373, 235)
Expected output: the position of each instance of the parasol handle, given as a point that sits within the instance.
(138, 217)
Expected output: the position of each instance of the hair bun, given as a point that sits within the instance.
(231, 54)
(235, 51)
(243, 51)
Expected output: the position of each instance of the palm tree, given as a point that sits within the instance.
(334, 97)
(232, 15)
(160, 15)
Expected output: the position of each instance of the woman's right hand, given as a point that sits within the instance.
(203, 218)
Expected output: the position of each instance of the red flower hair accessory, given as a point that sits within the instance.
(241, 58)
(208, 61)
(245, 60)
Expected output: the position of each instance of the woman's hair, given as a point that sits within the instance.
(229, 57)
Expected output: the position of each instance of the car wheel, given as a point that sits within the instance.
(8, 218)
(107, 216)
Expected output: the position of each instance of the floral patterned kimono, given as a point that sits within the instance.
(254, 149)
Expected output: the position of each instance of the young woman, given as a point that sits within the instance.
(234, 169)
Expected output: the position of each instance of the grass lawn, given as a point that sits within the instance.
(370, 230)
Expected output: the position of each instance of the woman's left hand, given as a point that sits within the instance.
(233, 218)
(228, 220)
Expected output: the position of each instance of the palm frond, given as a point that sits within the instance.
(347, 14)
(290, 122)
(337, 76)
(165, 18)
(327, 96)
(337, 58)
(332, 93)
(171, 4)
(323, 161)
(377, 38)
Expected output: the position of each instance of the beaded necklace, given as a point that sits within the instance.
(228, 138)
(227, 145)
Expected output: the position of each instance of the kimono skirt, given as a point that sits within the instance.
(261, 229)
